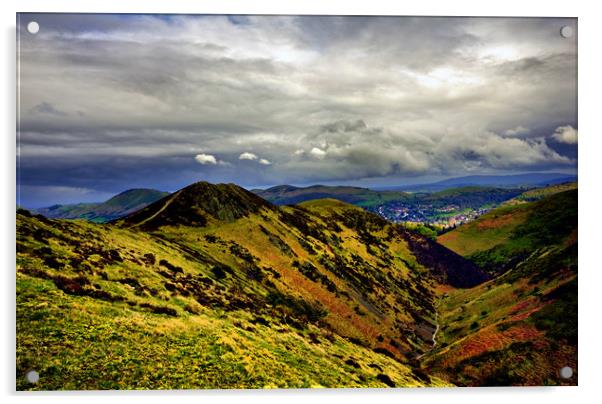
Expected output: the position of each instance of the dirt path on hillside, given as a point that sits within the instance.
(158, 212)
(434, 336)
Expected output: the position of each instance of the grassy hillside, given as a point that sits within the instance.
(214, 287)
(491, 229)
(470, 197)
(536, 194)
(521, 327)
(118, 206)
(505, 236)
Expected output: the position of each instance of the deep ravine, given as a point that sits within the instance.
(434, 337)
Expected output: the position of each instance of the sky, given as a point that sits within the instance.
(113, 102)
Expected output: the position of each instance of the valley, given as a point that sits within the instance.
(437, 211)
(521, 326)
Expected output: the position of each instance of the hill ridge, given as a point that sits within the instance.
(113, 208)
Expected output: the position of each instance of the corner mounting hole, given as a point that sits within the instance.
(566, 31)
(566, 372)
(32, 377)
(33, 27)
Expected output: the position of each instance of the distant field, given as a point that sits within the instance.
(488, 231)
(539, 193)
(500, 225)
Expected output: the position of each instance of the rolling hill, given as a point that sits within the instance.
(521, 327)
(214, 287)
(508, 234)
(290, 195)
(120, 205)
(536, 194)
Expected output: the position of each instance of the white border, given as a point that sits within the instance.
(590, 202)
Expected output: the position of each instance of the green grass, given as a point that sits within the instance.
(115, 307)
(540, 193)
(509, 233)
(491, 229)
(520, 327)
(85, 344)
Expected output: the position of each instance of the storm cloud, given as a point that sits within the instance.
(111, 102)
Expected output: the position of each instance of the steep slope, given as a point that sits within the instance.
(507, 235)
(446, 266)
(118, 206)
(521, 327)
(105, 308)
(215, 279)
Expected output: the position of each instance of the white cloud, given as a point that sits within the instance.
(205, 159)
(317, 153)
(517, 131)
(565, 134)
(253, 157)
(247, 156)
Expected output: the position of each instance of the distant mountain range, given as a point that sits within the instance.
(369, 197)
(500, 181)
(120, 205)
(290, 195)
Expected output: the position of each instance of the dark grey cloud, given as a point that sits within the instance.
(110, 102)
(46, 108)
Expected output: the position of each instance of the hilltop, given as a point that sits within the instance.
(118, 206)
(246, 294)
(536, 194)
(196, 204)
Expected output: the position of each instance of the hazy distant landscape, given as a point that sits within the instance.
(238, 202)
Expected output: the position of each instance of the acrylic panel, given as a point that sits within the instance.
(240, 201)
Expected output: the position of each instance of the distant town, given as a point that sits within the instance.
(445, 217)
